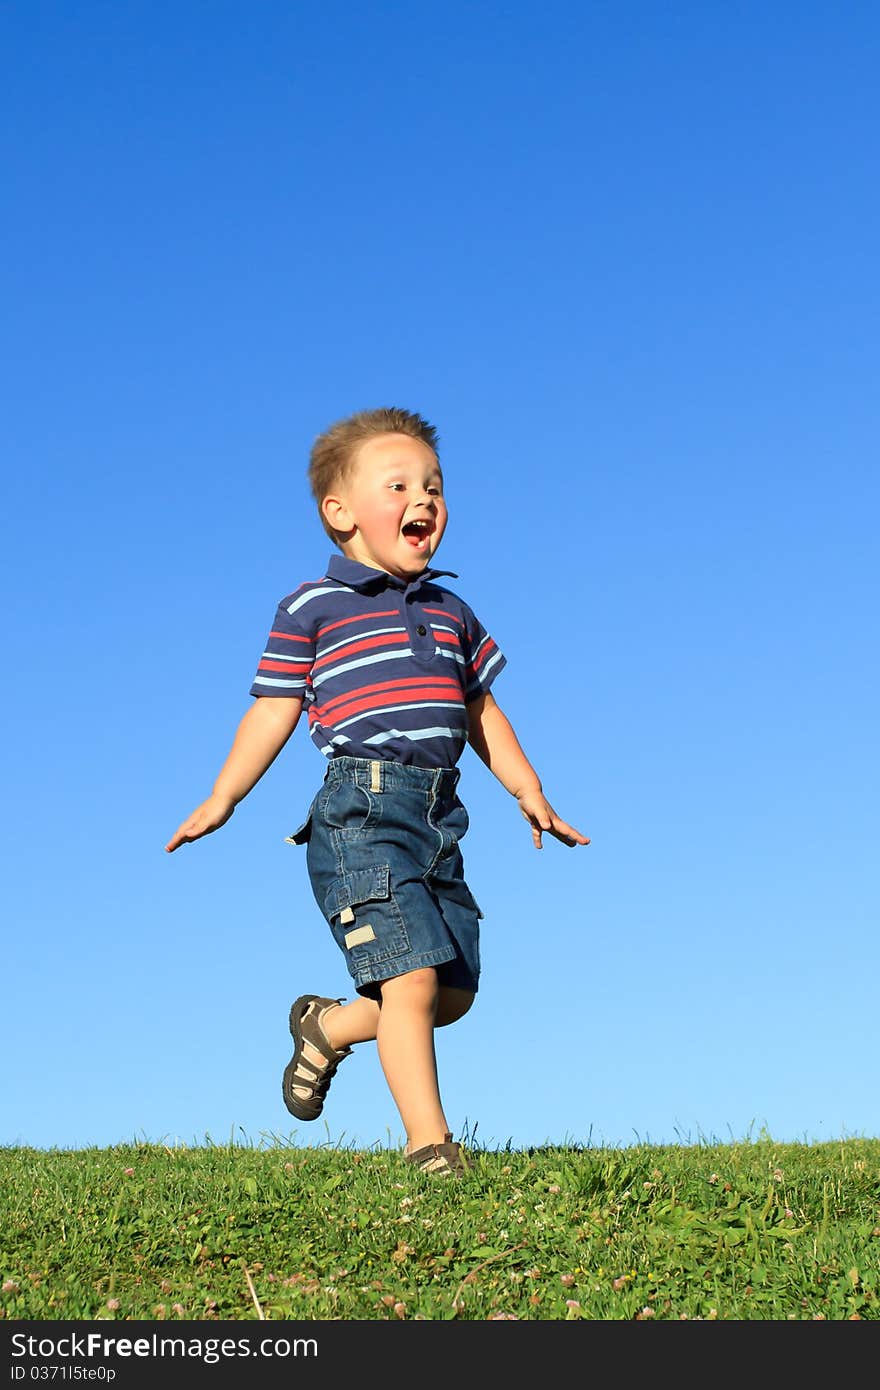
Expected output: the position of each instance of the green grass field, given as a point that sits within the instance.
(752, 1230)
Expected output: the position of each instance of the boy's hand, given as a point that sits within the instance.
(209, 816)
(542, 817)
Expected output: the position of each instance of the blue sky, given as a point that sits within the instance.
(625, 257)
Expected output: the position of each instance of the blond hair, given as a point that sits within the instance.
(334, 451)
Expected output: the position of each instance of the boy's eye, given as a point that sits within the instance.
(432, 488)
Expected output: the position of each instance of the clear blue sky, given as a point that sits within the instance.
(625, 257)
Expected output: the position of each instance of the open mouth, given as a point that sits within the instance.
(418, 533)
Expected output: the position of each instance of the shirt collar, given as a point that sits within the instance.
(362, 577)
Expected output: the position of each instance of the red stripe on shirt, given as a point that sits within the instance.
(358, 618)
(487, 650)
(399, 697)
(292, 667)
(441, 613)
(441, 685)
(390, 639)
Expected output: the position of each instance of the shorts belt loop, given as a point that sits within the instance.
(376, 775)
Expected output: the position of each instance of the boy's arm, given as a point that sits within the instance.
(262, 733)
(491, 735)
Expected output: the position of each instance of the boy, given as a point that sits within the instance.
(395, 672)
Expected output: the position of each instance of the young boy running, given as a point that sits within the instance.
(394, 670)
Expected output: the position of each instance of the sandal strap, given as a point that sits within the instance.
(446, 1158)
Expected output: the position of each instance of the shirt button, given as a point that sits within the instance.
(421, 629)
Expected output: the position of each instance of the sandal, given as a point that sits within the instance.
(446, 1159)
(306, 1082)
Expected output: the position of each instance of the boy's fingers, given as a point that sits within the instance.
(568, 833)
(549, 821)
(202, 822)
(184, 835)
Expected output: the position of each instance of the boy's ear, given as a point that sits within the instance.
(337, 515)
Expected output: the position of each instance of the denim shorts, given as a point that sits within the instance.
(387, 872)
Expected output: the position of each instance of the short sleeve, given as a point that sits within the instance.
(287, 660)
(482, 657)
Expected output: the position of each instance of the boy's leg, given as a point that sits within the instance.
(405, 1040)
(412, 1005)
(352, 1023)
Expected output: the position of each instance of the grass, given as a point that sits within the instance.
(750, 1230)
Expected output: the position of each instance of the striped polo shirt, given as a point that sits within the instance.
(385, 666)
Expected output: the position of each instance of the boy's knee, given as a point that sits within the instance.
(415, 986)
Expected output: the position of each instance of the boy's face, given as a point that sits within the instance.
(392, 505)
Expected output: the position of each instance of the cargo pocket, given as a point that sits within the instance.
(366, 921)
